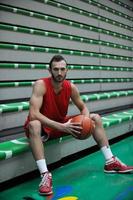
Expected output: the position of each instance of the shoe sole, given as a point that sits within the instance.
(119, 172)
(45, 194)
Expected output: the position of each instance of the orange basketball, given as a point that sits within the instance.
(87, 125)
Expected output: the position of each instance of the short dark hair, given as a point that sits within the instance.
(56, 58)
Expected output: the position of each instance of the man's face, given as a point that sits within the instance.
(58, 71)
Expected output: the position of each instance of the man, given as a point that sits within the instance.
(48, 116)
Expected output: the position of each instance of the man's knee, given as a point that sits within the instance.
(34, 127)
(96, 118)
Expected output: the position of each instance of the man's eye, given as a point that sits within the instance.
(62, 69)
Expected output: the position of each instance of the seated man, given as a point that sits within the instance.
(48, 116)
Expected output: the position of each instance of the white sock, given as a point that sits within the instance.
(41, 164)
(107, 153)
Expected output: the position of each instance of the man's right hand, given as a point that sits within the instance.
(72, 128)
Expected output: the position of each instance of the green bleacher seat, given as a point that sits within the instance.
(15, 147)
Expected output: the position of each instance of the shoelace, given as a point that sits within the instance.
(116, 159)
(120, 161)
(45, 180)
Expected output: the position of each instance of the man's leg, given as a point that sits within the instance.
(36, 144)
(113, 164)
(35, 140)
(99, 132)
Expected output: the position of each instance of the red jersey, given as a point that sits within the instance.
(55, 106)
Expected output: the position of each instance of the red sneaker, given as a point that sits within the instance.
(45, 187)
(116, 166)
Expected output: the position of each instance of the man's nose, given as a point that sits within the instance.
(59, 71)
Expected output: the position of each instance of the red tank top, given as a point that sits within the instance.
(55, 106)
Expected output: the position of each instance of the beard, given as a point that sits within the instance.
(58, 78)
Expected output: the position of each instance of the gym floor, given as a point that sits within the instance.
(83, 179)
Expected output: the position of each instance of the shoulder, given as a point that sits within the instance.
(74, 89)
(39, 83)
(39, 86)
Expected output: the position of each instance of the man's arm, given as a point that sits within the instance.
(36, 101)
(75, 96)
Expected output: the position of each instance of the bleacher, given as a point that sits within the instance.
(96, 40)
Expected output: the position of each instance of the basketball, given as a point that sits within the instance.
(87, 125)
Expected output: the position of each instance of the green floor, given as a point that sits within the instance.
(83, 179)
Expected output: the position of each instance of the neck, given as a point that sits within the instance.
(57, 86)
